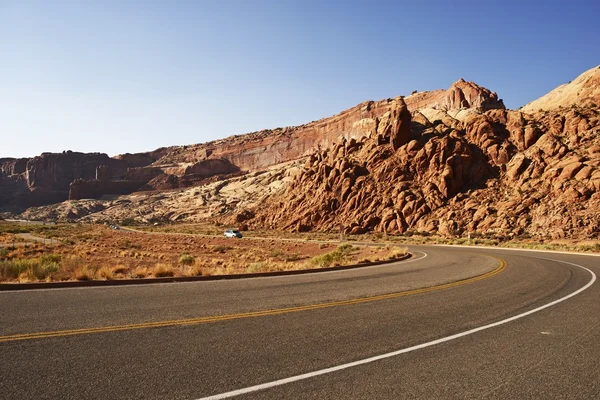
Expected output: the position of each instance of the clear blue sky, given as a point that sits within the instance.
(129, 76)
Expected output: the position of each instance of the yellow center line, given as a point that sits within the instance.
(216, 318)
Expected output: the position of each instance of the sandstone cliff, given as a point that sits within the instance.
(47, 178)
(259, 150)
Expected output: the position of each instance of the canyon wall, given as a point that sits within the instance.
(47, 178)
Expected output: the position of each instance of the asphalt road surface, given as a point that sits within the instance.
(449, 323)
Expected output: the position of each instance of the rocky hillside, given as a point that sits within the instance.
(505, 172)
(52, 178)
(232, 197)
(448, 162)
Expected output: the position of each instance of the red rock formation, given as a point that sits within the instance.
(206, 168)
(48, 176)
(502, 173)
(149, 178)
(142, 159)
(461, 94)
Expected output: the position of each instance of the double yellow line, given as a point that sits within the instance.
(217, 318)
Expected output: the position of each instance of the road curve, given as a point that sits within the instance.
(126, 342)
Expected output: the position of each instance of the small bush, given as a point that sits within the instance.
(592, 247)
(105, 273)
(277, 254)
(202, 268)
(12, 269)
(397, 252)
(140, 272)
(255, 267)
(50, 258)
(120, 269)
(4, 252)
(27, 269)
(127, 244)
(194, 270)
(333, 258)
(186, 259)
(345, 248)
(83, 273)
(163, 270)
(207, 271)
(71, 263)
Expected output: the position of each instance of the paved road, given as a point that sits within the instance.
(193, 340)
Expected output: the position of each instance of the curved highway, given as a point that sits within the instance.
(449, 323)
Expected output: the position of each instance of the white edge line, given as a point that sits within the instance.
(475, 247)
(406, 350)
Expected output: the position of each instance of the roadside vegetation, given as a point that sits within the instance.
(87, 252)
(94, 251)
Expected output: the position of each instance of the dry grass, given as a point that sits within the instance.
(205, 268)
(105, 273)
(140, 272)
(95, 252)
(83, 273)
(222, 249)
(396, 252)
(163, 270)
(120, 269)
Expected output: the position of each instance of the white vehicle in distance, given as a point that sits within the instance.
(232, 233)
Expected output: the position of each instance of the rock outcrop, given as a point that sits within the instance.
(505, 173)
(46, 178)
(460, 95)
